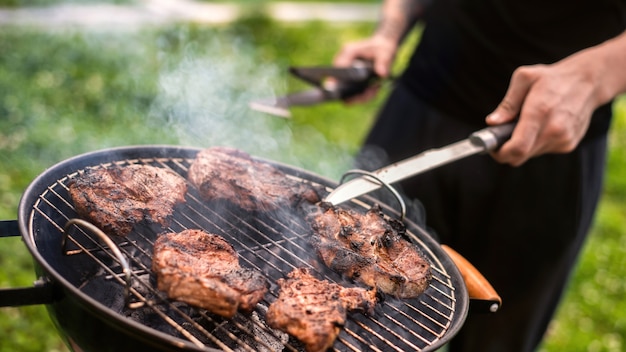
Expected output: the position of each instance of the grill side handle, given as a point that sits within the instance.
(9, 228)
(482, 295)
(42, 291)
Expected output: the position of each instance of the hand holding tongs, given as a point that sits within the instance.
(331, 83)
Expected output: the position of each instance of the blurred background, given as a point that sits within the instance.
(79, 76)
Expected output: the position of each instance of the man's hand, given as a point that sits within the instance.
(377, 49)
(397, 18)
(554, 106)
(554, 103)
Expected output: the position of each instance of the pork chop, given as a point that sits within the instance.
(116, 198)
(313, 310)
(370, 249)
(222, 173)
(203, 270)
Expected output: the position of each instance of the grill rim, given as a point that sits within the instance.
(64, 168)
(66, 291)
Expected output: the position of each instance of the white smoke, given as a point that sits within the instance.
(204, 100)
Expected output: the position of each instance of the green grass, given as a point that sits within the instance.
(65, 93)
(593, 314)
(23, 3)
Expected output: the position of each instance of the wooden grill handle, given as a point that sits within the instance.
(478, 288)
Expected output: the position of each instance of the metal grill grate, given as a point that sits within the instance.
(272, 243)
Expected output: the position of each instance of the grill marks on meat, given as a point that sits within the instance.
(115, 199)
(222, 173)
(313, 310)
(203, 270)
(370, 249)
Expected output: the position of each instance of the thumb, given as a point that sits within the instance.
(382, 64)
(511, 105)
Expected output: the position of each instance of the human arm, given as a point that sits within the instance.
(554, 103)
(397, 19)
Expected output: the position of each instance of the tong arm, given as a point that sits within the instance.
(359, 72)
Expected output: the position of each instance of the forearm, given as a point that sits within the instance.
(398, 17)
(608, 61)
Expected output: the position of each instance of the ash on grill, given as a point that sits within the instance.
(242, 332)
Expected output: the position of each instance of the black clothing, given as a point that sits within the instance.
(522, 227)
(470, 48)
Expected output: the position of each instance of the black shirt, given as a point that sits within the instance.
(470, 48)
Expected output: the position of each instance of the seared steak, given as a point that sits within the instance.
(222, 173)
(370, 249)
(313, 310)
(116, 198)
(203, 270)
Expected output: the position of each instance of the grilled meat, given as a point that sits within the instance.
(314, 311)
(203, 270)
(222, 173)
(117, 198)
(370, 249)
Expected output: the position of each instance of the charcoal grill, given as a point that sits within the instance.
(103, 300)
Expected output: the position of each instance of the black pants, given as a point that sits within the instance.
(523, 227)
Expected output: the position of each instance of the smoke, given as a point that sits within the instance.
(204, 100)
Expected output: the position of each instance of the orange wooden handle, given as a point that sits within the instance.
(477, 285)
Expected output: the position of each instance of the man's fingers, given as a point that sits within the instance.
(519, 148)
(511, 105)
(346, 56)
(376, 49)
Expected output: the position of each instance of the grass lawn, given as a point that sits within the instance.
(64, 93)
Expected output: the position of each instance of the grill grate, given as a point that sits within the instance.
(274, 244)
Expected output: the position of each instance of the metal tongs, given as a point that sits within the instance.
(330, 83)
(482, 141)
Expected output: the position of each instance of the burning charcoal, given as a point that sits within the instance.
(255, 334)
